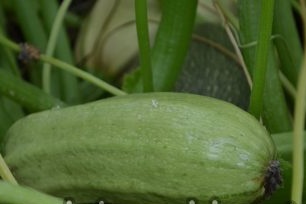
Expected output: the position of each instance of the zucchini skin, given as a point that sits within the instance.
(142, 149)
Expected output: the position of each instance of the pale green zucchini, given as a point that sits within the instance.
(155, 148)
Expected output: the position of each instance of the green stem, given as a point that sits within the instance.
(69, 68)
(172, 41)
(170, 46)
(261, 58)
(144, 44)
(227, 14)
(234, 42)
(26, 94)
(82, 74)
(5, 172)
(52, 43)
(69, 90)
(14, 194)
(288, 86)
(10, 44)
(216, 45)
(298, 125)
(298, 137)
(275, 114)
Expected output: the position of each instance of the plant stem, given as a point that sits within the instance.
(170, 46)
(216, 45)
(288, 86)
(144, 44)
(82, 74)
(67, 67)
(298, 137)
(261, 58)
(5, 172)
(52, 43)
(227, 14)
(234, 42)
(275, 114)
(10, 44)
(26, 94)
(298, 125)
(69, 89)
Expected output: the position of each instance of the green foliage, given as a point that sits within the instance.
(268, 37)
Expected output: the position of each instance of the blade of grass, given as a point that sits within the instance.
(144, 44)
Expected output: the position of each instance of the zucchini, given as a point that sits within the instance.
(152, 148)
(210, 72)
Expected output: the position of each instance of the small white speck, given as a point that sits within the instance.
(69, 202)
(56, 107)
(101, 202)
(192, 202)
(154, 103)
(214, 202)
